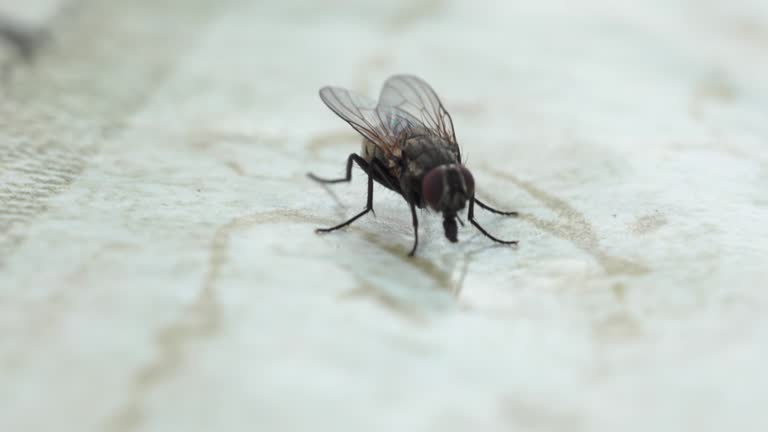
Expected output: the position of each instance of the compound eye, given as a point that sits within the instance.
(469, 181)
(432, 187)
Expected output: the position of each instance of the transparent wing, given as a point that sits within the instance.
(414, 96)
(383, 126)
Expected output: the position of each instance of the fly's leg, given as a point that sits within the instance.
(352, 158)
(368, 205)
(471, 217)
(381, 170)
(493, 210)
(415, 230)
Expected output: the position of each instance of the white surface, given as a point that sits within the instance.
(158, 268)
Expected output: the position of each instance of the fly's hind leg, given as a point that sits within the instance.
(369, 203)
(493, 210)
(353, 158)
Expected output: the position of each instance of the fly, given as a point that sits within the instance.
(409, 146)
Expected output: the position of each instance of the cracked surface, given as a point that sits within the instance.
(159, 269)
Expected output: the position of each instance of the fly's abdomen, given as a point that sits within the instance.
(370, 151)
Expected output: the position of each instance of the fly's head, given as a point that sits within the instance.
(446, 189)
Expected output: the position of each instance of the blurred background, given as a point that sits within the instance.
(159, 269)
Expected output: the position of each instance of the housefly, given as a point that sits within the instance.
(409, 146)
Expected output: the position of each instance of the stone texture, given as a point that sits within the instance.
(159, 270)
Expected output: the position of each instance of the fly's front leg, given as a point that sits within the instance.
(368, 205)
(493, 210)
(415, 230)
(471, 217)
(352, 158)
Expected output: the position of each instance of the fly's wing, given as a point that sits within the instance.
(383, 126)
(411, 94)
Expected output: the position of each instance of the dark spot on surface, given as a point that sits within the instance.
(234, 166)
(648, 224)
(25, 40)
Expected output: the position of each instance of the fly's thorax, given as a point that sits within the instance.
(422, 152)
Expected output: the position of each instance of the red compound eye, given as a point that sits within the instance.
(432, 187)
(469, 181)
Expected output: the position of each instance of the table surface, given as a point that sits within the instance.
(159, 269)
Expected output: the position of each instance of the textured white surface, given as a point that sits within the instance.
(158, 268)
